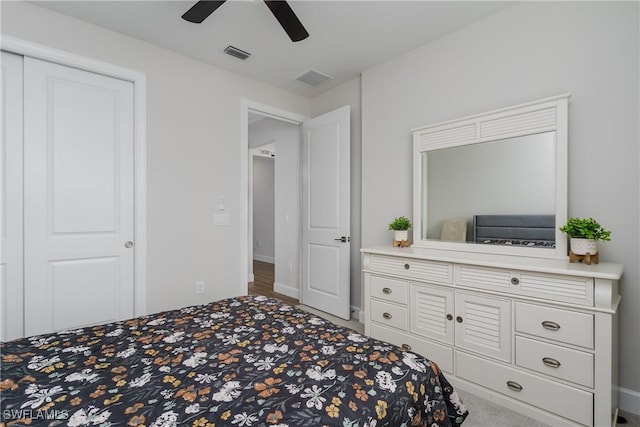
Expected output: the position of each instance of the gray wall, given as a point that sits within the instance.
(529, 51)
(263, 209)
(193, 152)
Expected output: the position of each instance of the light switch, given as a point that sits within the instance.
(221, 203)
(221, 219)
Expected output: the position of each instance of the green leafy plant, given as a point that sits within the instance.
(585, 228)
(400, 223)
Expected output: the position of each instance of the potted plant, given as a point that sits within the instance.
(400, 227)
(584, 234)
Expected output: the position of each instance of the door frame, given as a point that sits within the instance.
(276, 113)
(139, 80)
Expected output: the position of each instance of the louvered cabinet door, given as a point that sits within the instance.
(483, 325)
(432, 312)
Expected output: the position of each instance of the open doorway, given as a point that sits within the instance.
(274, 207)
(312, 220)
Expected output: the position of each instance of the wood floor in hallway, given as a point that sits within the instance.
(264, 277)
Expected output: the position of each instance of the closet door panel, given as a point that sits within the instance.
(78, 198)
(11, 262)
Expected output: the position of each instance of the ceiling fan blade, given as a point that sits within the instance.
(201, 10)
(289, 21)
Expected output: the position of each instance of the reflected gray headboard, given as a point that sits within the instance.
(521, 230)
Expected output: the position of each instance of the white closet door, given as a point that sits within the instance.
(11, 300)
(78, 183)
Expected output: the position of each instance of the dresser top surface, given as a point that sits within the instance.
(603, 270)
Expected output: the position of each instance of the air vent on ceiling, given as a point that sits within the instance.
(237, 53)
(313, 78)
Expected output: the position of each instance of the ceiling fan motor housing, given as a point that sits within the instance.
(280, 9)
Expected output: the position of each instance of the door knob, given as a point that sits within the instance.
(343, 239)
(128, 244)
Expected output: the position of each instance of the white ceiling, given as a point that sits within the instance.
(346, 37)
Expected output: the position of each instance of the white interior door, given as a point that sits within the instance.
(78, 186)
(11, 263)
(325, 212)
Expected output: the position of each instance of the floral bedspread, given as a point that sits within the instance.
(247, 361)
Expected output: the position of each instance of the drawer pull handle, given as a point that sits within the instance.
(406, 266)
(551, 362)
(512, 385)
(459, 319)
(551, 326)
(406, 347)
(515, 281)
(386, 291)
(387, 315)
(449, 317)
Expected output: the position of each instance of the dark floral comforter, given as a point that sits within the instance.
(248, 361)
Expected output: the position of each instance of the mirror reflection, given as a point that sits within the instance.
(514, 179)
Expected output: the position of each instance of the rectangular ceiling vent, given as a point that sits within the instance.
(237, 53)
(313, 78)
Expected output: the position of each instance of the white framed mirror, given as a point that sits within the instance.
(494, 182)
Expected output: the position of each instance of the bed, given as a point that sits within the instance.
(246, 361)
(517, 230)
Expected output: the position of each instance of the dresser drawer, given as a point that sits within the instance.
(432, 271)
(560, 399)
(572, 289)
(555, 324)
(389, 289)
(442, 355)
(565, 363)
(389, 314)
(495, 279)
(578, 290)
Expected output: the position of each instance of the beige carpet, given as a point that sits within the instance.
(353, 324)
(483, 413)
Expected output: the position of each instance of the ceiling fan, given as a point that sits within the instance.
(280, 9)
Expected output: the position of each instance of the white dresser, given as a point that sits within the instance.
(536, 335)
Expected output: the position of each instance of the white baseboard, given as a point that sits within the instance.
(264, 258)
(295, 293)
(289, 291)
(629, 400)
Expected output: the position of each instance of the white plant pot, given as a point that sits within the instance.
(584, 246)
(400, 235)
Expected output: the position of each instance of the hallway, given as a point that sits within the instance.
(263, 282)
